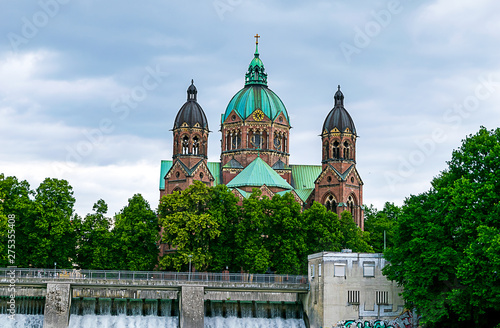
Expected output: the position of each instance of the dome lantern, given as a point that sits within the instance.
(191, 114)
(192, 92)
(339, 97)
(256, 73)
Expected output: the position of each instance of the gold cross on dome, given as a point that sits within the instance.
(257, 36)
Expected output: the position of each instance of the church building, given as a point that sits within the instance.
(255, 150)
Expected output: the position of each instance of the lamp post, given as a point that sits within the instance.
(190, 256)
(55, 269)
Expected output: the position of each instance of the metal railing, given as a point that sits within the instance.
(159, 276)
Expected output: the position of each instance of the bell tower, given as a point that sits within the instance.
(190, 148)
(339, 186)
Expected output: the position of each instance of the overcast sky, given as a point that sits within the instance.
(89, 89)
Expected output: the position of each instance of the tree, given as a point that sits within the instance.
(322, 230)
(136, 234)
(192, 221)
(51, 234)
(446, 240)
(15, 202)
(286, 240)
(378, 223)
(252, 233)
(224, 206)
(94, 243)
(352, 236)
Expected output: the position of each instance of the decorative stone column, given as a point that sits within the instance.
(57, 305)
(192, 307)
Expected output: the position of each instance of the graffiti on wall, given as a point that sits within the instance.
(404, 320)
(366, 324)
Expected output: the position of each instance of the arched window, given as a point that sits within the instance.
(326, 151)
(336, 150)
(255, 140)
(277, 142)
(185, 145)
(236, 140)
(196, 146)
(331, 204)
(351, 207)
(347, 148)
(177, 189)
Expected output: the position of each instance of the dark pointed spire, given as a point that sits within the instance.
(191, 92)
(339, 97)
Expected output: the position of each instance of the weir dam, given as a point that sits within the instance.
(194, 300)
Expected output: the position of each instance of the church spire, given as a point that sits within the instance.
(257, 36)
(191, 91)
(339, 98)
(256, 73)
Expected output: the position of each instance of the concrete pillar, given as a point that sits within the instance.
(192, 311)
(57, 305)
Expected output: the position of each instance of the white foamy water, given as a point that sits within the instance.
(122, 321)
(234, 322)
(21, 321)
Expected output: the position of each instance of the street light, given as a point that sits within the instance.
(190, 256)
(55, 269)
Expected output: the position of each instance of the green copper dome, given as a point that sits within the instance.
(256, 95)
(253, 97)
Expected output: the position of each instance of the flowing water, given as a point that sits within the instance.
(121, 313)
(253, 315)
(30, 313)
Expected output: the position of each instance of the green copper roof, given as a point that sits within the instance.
(303, 176)
(165, 166)
(304, 193)
(256, 73)
(213, 167)
(259, 173)
(254, 97)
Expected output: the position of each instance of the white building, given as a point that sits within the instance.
(350, 286)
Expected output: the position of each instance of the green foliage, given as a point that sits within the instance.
(15, 196)
(51, 234)
(378, 222)
(446, 252)
(322, 230)
(352, 237)
(287, 237)
(252, 233)
(192, 221)
(95, 240)
(136, 234)
(259, 236)
(223, 206)
(270, 235)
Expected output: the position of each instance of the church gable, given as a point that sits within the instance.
(177, 171)
(357, 179)
(328, 176)
(266, 191)
(202, 172)
(280, 119)
(233, 117)
(258, 116)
